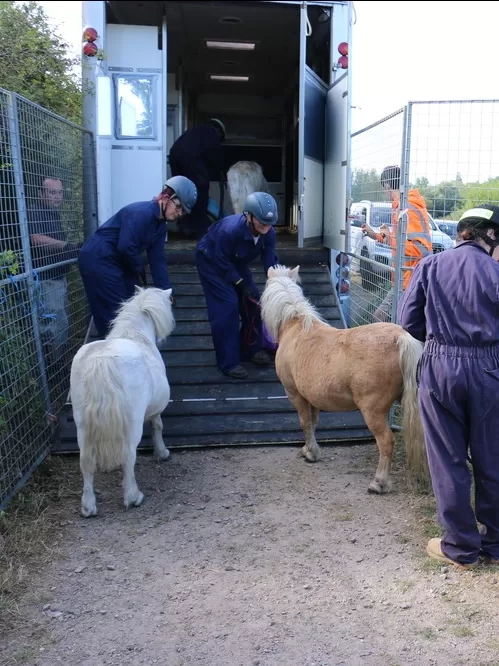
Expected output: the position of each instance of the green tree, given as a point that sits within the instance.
(445, 199)
(477, 194)
(366, 185)
(34, 60)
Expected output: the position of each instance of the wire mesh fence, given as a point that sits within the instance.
(373, 149)
(448, 155)
(47, 208)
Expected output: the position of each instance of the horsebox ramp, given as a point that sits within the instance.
(210, 409)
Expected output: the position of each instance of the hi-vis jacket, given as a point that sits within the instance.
(418, 243)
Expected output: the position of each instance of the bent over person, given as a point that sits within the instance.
(222, 258)
(452, 304)
(196, 154)
(110, 261)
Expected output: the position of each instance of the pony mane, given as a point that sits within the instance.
(146, 302)
(283, 300)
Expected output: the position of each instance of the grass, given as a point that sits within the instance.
(30, 532)
(343, 517)
(429, 633)
(461, 631)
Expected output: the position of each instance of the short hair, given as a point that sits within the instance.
(44, 178)
(391, 176)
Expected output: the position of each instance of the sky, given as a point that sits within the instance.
(406, 51)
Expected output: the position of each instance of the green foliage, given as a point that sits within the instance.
(9, 264)
(34, 60)
(477, 194)
(366, 185)
(445, 200)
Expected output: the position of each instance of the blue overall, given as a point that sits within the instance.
(222, 258)
(110, 261)
(198, 155)
(452, 304)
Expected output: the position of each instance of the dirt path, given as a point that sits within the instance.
(251, 557)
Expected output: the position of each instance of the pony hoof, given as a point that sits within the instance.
(376, 488)
(310, 457)
(135, 500)
(88, 511)
(163, 456)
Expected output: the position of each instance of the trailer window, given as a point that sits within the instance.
(135, 106)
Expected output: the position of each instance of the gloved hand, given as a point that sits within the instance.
(172, 300)
(245, 290)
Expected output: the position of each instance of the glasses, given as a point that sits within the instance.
(177, 204)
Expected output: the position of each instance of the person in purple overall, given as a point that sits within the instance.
(452, 305)
(111, 261)
(222, 258)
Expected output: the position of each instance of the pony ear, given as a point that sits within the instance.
(138, 289)
(271, 272)
(168, 292)
(293, 273)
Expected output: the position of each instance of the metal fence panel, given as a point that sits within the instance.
(373, 148)
(47, 208)
(451, 155)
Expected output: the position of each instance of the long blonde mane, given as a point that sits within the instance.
(283, 301)
(149, 303)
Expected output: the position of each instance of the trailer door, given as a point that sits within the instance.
(336, 164)
(311, 153)
(136, 67)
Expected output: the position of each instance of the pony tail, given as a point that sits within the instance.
(410, 351)
(105, 414)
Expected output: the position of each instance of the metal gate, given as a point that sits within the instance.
(47, 189)
(449, 151)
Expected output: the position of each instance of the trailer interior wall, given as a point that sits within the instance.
(261, 112)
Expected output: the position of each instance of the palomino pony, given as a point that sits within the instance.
(329, 369)
(116, 385)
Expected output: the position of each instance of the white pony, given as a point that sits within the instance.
(116, 385)
(244, 178)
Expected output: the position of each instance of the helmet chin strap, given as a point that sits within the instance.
(491, 242)
(163, 205)
(252, 227)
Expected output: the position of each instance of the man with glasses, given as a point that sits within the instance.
(110, 261)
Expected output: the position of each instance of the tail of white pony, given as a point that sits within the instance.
(410, 351)
(105, 413)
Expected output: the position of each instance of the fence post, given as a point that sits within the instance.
(15, 143)
(90, 206)
(402, 221)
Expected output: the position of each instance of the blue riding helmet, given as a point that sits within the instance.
(262, 206)
(185, 191)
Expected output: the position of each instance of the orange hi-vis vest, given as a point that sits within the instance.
(418, 241)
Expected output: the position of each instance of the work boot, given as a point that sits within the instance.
(237, 373)
(434, 550)
(261, 358)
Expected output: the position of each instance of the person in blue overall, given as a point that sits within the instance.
(110, 261)
(452, 305)
(198, 155)
(222, 258)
